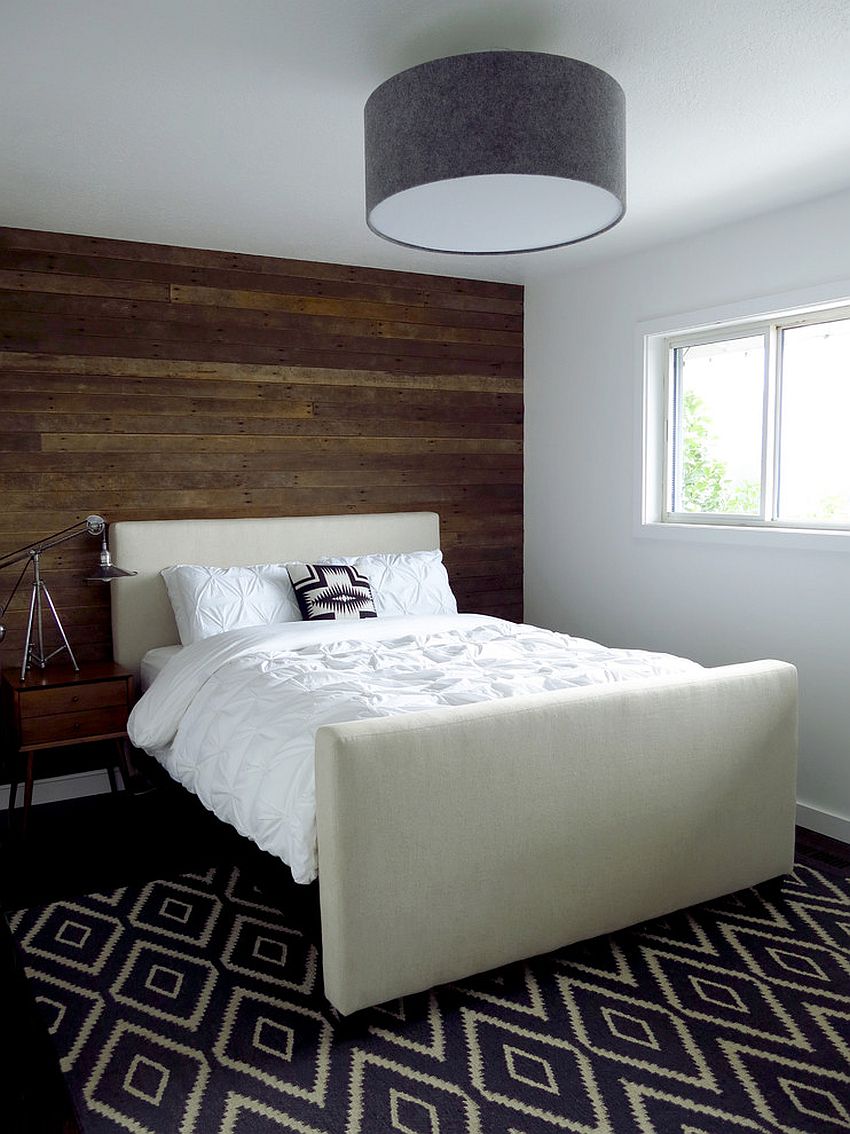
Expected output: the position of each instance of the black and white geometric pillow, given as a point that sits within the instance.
(331, 591)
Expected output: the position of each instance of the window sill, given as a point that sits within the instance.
(806, 539)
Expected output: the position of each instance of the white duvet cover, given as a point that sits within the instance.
(233, 717)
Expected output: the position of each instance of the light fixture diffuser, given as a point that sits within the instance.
(495, 152)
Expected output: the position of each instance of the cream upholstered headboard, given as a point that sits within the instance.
(141, 613)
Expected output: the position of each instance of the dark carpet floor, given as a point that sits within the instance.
(193, 1003)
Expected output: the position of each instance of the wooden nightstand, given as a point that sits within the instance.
(60, 706)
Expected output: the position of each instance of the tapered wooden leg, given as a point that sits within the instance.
(110, 771)
(123, 762)
(27, 792)
(13, 788)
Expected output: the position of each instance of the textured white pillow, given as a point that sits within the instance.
(413, 582)
(210, 600)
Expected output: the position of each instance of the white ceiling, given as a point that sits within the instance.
(237, 124)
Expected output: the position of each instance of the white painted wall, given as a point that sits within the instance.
(589, 572)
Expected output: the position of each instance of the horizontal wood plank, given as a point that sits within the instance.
(404, 310)
(334, 357)
(300, 335)
(81, 285)
(50, 393)
(209, 370)
(68, 264)
(27, 239)
(422, 323)
(493, 497)
(61, 467)
(299, 423)
(329, 445)
(52, 408)
(108, 490)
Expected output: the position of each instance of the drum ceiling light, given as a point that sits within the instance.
(495, 152)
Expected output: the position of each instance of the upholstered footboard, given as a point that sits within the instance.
(456, 840)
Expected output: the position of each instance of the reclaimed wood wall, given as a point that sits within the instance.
(143, 381)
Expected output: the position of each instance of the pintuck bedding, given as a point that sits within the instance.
(233, 717)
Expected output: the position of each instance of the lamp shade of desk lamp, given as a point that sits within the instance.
(106, 570)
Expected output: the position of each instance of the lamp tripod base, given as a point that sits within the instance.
(34, 654)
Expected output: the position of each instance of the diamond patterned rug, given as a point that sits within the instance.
(194, 1005)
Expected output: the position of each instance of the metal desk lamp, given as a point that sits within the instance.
(30, 556)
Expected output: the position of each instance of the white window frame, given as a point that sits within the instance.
(656, 341)
(739, 331)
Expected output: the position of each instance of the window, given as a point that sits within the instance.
(756, 423)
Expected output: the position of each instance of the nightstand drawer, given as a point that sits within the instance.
(72, 698)
(65, 727)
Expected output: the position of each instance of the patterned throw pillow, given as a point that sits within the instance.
(331, 591)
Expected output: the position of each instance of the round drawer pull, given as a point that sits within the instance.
(75, 699)
(76, 726)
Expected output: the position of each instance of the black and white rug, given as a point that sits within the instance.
(194, 1006)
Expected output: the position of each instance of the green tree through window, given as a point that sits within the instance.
(706, 484)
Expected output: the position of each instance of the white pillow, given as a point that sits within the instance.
(413, 582)
(210, 600)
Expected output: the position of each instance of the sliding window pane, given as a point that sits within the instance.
(814, 453)
(718, 426)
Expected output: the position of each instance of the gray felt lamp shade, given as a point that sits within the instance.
(494, 152)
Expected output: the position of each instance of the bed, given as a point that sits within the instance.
(460, 838)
